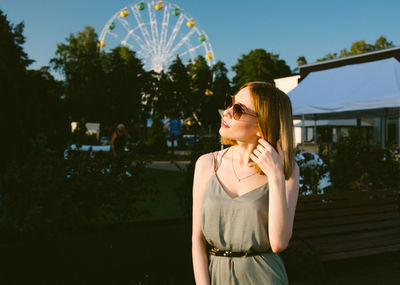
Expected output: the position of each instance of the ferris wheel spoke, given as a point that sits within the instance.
(164, 30)
(175, 32)
(142, 54)
(143, 29)
(154, 28)
(124, 23)
(125, 43)
(193, 49)
(114, 35)
(137, 39)
(181, 42)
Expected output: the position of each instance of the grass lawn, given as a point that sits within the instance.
(164, 204)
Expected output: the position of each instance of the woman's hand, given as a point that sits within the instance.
(268, 159)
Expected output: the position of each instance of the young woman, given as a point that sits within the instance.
(244, 197)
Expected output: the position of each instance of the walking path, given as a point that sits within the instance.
(167, 165)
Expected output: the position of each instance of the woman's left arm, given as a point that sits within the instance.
(282, 194)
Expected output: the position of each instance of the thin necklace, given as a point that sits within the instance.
(239, 179)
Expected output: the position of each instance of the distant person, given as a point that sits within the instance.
(118, 139)
(394, 151)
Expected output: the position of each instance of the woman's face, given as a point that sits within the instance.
(245, 129)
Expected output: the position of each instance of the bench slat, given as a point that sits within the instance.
(344, 204)
(351, 237)
(349, 195)
(346, 212)
(340, 246)
(358, 253)
(304, 224)
(347, 228)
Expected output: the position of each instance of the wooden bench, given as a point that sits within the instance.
(346, 225)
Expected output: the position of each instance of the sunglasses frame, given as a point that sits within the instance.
(238, 110)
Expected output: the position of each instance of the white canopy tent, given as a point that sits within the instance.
(362, 90)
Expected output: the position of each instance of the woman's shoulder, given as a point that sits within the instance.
(206, 160)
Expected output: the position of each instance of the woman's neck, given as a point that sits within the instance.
(241, 153)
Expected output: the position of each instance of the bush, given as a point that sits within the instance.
(310, 178)
(157, 140)
(358, 166)
(48, 196)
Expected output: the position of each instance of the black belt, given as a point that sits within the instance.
(227, 253)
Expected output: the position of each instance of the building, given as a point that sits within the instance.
(360, 91)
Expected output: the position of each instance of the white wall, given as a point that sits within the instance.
(287, 84)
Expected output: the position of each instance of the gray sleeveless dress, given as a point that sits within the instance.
(240, 224)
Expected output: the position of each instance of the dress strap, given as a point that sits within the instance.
(215, 161)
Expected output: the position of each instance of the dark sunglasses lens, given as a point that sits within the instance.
(237, 111)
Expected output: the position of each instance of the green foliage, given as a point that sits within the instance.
(311, 174)
(80, 136)
(102, 87)
(301, 60)
(259, 65)
(48, 196)
(164, 99)
(201, 80)
(157, 140)
(358, 166)
(31, 101)
(180, 98)
(79, 61)
(360, 47)
(13, 58)
(220, 87)
(123, 87)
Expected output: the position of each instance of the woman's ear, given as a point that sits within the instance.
(258, 134)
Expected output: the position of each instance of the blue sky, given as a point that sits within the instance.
(290, 28)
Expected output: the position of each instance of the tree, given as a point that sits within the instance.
(201, 80)
(13, 62)
(31, 104)
(43, 109)
(328, 56)
(259, 65)
(360, 47)
(162, 101)
(382, 43)
(301, 60)
(124, 84)
(180, 88)
(157, 140)
(221, 88)
(79, 61)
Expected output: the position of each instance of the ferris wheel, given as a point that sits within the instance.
(157, 31)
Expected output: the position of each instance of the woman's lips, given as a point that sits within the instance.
(224, 125)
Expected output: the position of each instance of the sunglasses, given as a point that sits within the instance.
(238, 110)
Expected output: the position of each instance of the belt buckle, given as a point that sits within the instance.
(214, 251)
(227, 253)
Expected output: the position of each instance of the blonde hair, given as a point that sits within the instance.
(274, 120)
